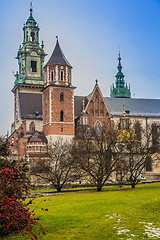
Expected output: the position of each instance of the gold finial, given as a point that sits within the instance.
(83, 104)
(124, 110)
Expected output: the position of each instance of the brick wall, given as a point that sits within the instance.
(52, 107)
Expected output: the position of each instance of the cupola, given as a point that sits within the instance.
(120, 89)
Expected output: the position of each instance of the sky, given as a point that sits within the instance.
(90, 34)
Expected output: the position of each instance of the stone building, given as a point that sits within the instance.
(45, 106)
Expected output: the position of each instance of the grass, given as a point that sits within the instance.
(100, 215)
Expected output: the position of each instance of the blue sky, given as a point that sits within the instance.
(90, 32)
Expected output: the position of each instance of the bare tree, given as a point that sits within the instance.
(60, 168)
(96, 153)
(136, 151)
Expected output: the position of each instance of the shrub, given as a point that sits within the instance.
(14, 213)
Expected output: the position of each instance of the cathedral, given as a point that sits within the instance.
(45, 107)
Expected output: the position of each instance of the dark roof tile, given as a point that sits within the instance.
(58, 57)
(30, 105)
(139, 107)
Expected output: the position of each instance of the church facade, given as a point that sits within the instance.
(45, 107)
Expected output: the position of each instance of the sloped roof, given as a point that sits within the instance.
(78, 104)
(37, 137)
(30, 105)
(58, 57)
(139, 107)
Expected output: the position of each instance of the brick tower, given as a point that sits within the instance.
(58, 97)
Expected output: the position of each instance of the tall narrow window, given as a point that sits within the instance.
(52, 76)
(33, 66)
(61, 97)
(32, 127)
(138, 130)
(27, 37)
(62, 76)
(32, 36)
(68, 77)
(148, 164)
(155, 137)
(97, 127)
(61, 116)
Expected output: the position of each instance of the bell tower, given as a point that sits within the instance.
(58, 97)
(30, 76)
(30, 55)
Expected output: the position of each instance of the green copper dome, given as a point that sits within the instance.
(31, 20)
(120, 89)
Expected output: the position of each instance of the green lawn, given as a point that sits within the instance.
(113, 213)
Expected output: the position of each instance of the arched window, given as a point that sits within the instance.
(61, 97)
(61, 115)
(52, 76)
(32, 36)
(32, 127)
(61, 75)
(97, 127)
(27, 37)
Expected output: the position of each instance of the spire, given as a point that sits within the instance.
(120, 89)
(57, 56)
(119, 64)
(31, 9)
(31, 21)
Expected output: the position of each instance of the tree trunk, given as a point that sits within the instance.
(59, 189)
(99, 187)
(133, 185)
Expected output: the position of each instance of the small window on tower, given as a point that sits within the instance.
(27, 37)
(68, 77)
(52, 76)
(32, 36)
(61, 97)
(62, 76)
(32, 127)
(61, 116)
(33, 66)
